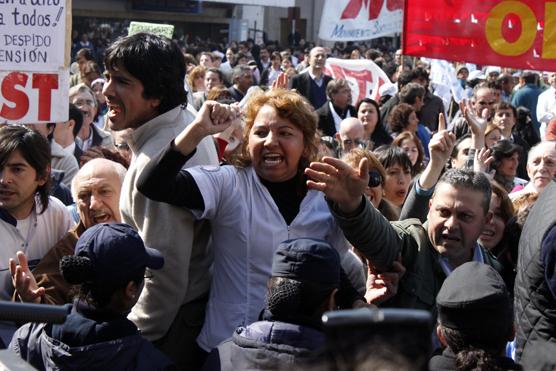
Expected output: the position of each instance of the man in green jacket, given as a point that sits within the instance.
(430, 251)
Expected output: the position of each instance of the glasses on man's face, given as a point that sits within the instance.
(361, 143)
(84, 102)
(122, 146)
(375, 179)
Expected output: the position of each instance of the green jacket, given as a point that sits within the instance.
(381, 242)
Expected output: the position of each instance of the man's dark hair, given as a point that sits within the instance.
(420, 73)
(494, 84)
(470, 180)
(529, 77)
(154, 60)
(410, 92)
(216, 71)
(34, 148)
(298, 302)
(455, 150)
(504, 78)
(76, 115)
(404, 78)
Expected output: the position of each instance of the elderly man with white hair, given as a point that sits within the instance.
(96, 190)
(541, 167)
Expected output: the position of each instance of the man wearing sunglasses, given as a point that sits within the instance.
(351, 135)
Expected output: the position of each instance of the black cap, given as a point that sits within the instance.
(116, 250)
(306, 259)
(474, 296)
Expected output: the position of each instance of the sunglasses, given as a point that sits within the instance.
(375, 179)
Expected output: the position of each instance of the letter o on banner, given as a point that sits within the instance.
(493, 28)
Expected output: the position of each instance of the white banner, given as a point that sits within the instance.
(445, 83)
(366, 79)
(34, 58)
(350, 20)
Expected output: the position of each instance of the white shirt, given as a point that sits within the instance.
(71, 148)
(447, 268)
(87, 143)
(247, 228)
(34, 235)
(546, 108)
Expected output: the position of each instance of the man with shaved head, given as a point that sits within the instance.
(351, 135)
(312, 83)
(96, 191)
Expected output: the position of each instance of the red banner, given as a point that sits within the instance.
(511, 33)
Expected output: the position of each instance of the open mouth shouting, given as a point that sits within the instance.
(113, 110)
(273, 159)
(101, 217)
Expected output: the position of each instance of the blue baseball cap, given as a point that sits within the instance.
(116, 251)
(307, 259)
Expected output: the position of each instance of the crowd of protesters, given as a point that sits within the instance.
(203, 207)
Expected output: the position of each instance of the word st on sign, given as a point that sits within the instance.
(31, 96)
(512, 33)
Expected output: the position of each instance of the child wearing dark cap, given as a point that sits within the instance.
(109, 264)
(475, 320)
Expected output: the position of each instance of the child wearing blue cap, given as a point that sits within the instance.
(109, 266)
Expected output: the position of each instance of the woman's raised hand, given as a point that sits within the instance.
(339, 182)
(212, 118)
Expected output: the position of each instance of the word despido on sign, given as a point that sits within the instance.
(494, 28)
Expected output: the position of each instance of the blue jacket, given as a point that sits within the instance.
(266, 345)
(81, 343)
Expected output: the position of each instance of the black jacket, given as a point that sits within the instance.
(326, 121)
(302, 83)
(535, 302)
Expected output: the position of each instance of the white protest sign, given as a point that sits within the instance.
(365, 77)
(34, 58)
(156, 28)
(350, 20)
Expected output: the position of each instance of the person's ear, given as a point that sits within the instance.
(131, 291)
(44, 178)
(440, 335)
(70, 123)
(154, 103)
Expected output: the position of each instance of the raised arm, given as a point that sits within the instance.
(164, 180)
(476, 124)
(440, 148)
(362, 224)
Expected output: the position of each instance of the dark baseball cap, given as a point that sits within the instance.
(116, 251)
(307, 259)
(474, 296)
